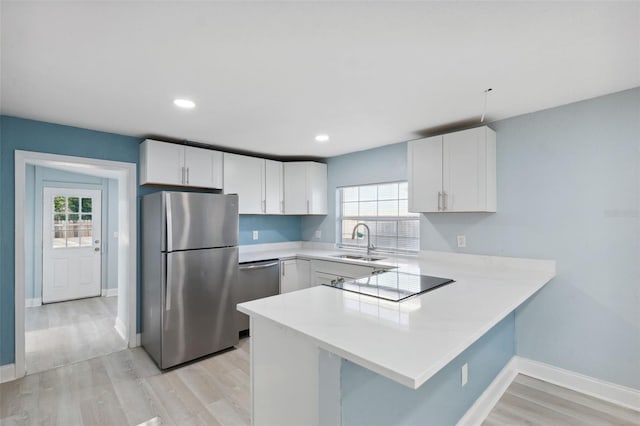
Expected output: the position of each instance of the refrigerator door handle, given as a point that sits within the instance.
(167, 201)
(166, 289)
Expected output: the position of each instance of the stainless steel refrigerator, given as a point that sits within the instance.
(189, 271)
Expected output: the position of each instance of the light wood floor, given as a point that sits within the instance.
(126, 388)
(530, 401)
(64, 333)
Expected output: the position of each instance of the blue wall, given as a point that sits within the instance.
(271, 229)
(29, 135)
(569, 190)
(370, 399)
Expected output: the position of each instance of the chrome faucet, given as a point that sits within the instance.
(369, 245)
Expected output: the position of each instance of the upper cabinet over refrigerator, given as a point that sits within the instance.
(455, 172)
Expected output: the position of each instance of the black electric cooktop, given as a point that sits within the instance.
(392, 285)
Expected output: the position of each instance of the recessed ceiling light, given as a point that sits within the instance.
(322, 138)
(184, 103)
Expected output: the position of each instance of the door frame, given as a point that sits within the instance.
(126, 176)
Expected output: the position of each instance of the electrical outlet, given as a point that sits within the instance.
(255, 235)
(464, 376)
(318, 233)
(462, 241)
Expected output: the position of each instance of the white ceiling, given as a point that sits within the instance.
(268, 76)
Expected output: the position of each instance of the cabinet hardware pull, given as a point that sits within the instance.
(183, 182)
(445, 200)
(307, 206)
(264, 206)
(439, 200)
(282, 206)
(187, 175)
(283, 267)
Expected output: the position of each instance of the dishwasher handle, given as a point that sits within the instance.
(261, 266)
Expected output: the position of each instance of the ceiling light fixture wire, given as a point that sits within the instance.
(484, 109)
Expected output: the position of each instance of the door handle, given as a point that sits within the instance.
(183, 180)
(187, 176)
(445, 200)
(307, 206)
(439, 200)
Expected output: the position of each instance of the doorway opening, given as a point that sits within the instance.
(74, 268)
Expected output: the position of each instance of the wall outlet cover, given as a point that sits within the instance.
(255, 235)
(318, 233)
(462, 241)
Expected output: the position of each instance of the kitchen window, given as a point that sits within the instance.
(384, 208)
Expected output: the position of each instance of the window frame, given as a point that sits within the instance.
(339, 219)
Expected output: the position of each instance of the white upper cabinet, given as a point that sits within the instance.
(274, 187)
(455, 172)
(305, 188)
(165, 163)
(244, 175)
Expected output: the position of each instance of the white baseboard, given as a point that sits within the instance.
(32, 303)
(611, 392)
(616, 394)
(491, 395)
(109, 292)
(7, 373)
(121, 329)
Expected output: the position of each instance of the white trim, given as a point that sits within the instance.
(32, 303)
(7, 373)
(607, 391)
(480, 409)
(109, 292)
(611, 392)
(121, 328)
(126, 175)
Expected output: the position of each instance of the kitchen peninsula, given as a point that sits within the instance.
(326, 356)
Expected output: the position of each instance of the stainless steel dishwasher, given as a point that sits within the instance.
(255, 281)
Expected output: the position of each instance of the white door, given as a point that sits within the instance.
(244, 175)
(71, 239)
(295, 188)
(203, 167)
(464, 170)
(274, 187)
(425, 175)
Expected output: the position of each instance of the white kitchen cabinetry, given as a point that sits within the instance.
(295, 274)
(274, 187)
(326, 271)
(244, 175)
(305, 188)
(455, 172)
(258, 183)
(165, 163)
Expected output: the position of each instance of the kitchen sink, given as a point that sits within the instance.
(358, 257)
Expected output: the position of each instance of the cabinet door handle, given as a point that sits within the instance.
(283, 267)
(183, 181)
(264, 206)
(307, 206)
(187, 175)
(445, 199)
(282, 206)
(439, 201)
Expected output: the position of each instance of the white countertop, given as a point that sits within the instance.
(406, 341)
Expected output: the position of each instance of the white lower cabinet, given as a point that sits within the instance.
(295, 274)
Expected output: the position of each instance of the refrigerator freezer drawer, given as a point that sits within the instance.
(198, 304)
